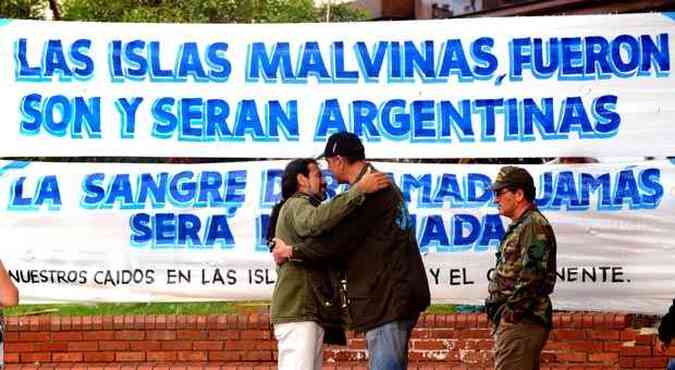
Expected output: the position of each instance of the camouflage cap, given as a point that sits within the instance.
(512, 176)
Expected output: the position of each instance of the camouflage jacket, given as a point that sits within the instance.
(525, 273)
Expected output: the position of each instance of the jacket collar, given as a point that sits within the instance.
(532, 207)
(363, 172)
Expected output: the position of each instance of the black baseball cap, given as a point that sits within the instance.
(344, 144)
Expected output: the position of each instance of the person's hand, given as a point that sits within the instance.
(661, 347)
(281, 251)
(372, 181)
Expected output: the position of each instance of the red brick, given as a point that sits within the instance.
(212, 322)
(113, 345)
(207, 346)
(587, 321)
(613, 346)
(30, 336)
(202, 322)
(160, 322)
(52, 346)
(176, 346)
(604, 334)
(130, 356)
(66, 323)
(35, 357)
(76, 322)
(99, 356)
(150, 322)
(82, 346)
(20, 347)
(623, 321)
(223, 334)
(626, 362)
(118, 322)
(637, 351)
(87, 323)
(98, 335)
(181, 322)
(67, 336)
(461, 321)
(191, 334)
(571, 357)
(568, 334)
(429, 345)
(629, 334)
(161, 335)
(605, 358)
(646, 339)
(130, 335)
(97, 322)
(67, 357)
(145, 345)
(652, 362)
(257, 356)
(139, 322)
(161, 356)
(171, 322)
(255, 334)
(107, 323)
(226, 356)
(188, 356)
(11, 358)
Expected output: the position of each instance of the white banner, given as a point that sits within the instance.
(480, 87)
(117, 232)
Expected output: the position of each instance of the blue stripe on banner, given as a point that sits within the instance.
(14, 165)
(670, 15)
(4, 21)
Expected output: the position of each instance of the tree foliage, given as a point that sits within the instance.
(205, 11)
(22, 9)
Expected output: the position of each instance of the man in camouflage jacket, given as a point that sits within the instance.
(519, 306)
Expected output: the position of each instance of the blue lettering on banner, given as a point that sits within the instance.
(573, 191)
(471, 120)
(60, 116)
(635, 189)
(196, 119)
(183, 189)
(46, 192)
(184, 230)
(591, 57)
(138, 60)
(407, 60)
(67, 62)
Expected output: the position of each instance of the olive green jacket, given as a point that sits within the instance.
(305, 292)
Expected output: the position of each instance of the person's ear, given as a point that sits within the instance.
(301, 179)
(520, 195)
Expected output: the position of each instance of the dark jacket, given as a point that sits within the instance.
(667, 327)
(385, 274)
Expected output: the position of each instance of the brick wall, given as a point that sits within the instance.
(589, 341)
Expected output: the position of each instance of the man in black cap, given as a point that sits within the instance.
(385, 287)
(519, 306)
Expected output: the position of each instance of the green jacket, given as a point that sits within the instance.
(305, 292)
(386, 278)
(525, 273)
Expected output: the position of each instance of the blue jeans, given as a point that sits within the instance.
(388, 345)
(671, 364)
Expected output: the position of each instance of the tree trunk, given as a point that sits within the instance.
(54, 6)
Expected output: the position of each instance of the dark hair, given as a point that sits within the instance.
(289, 186)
